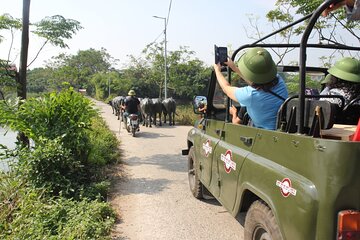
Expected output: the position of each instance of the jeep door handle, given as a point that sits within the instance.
(246, 140)
(219, 132)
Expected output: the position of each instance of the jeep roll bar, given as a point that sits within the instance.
(303, 45)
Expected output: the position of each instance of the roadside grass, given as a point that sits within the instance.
(185, 115)
(57, 189)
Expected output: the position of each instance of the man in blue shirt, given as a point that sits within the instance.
(266, 90)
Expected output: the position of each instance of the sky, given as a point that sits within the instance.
(125, 27)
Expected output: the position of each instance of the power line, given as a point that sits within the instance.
(157, 37)
(167, 21)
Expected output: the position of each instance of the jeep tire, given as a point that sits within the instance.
(260, 223)
(193, 174)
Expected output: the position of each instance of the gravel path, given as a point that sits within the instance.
(151, 194)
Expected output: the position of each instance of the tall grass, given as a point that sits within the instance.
(185, 115)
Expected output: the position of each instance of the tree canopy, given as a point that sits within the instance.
(54, 30)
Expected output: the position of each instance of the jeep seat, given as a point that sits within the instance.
(319, 115)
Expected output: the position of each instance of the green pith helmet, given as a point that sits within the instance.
(257, 66)
(347, 69)
(131, 93)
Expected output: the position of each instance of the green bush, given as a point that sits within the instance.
(104, 144)
(50, 165)
(26, 214)
(66, 114)
(55, 189)
(71, 142)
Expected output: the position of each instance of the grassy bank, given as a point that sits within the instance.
(57, 188)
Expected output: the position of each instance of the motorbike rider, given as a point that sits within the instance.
(131, 105)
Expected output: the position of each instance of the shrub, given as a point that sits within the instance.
(66, 114)
(50, 165)
(104, 144)
(54, 189)
(26, 214)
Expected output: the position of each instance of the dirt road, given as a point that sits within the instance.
(153, 197)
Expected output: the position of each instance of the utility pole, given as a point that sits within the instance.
(165, 56)
(109, 85)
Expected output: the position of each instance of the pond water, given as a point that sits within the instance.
(8, 139)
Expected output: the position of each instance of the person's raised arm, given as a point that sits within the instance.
(333, 7)
(225, 86)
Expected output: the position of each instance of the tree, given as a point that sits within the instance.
(285, 10)
(188, 78)
(39, 80)
(7, 22)
(142, 77)
(54, 30)
(154, 55)
(80, 68)
(21, 79)
(187, 74)
(8, 71)
(302, 7)
(103, 80)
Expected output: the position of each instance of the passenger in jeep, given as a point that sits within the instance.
(344, 80)
(239, 117)
(266, 91)
(202, 106)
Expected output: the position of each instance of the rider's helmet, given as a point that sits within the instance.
(257, 66)
(131, 93)
(347, 69)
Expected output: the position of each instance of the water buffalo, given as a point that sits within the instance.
(112, 107)
(157, 109)
(116, 104)
(169, 108)
(146, 106)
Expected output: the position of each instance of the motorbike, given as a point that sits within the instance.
(132, 124)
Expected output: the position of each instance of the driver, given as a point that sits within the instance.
(131, 104)
(202, 106)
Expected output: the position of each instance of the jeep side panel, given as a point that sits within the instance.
(208, 141)
(230, 153)
(305, 181)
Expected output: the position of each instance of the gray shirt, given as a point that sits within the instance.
(337, 91)
(353, 13)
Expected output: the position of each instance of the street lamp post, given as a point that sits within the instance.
(165, 57)
(109, 86)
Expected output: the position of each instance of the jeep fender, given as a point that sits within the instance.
(296, 205)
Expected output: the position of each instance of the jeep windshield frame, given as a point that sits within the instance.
(302, 45)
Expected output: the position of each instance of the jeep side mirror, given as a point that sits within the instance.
(200, 104)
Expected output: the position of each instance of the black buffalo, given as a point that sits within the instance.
(157, 109)
(169, 108)
(116, 104)
(146, 106)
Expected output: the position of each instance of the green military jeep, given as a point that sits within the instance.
(300, 181)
